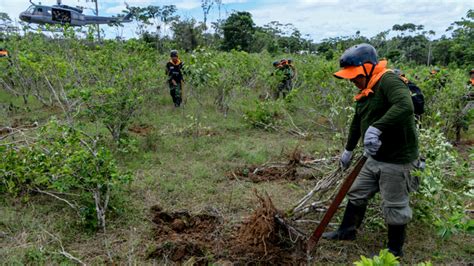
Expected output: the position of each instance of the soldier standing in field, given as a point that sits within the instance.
(439, 77)
(467, 104)
(385, 120)
(284, 72)
(174, 69)
(291, 63)
(470, 83)
(3, 52)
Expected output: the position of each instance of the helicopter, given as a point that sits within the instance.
(64, 14)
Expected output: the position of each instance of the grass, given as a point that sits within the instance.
(182, 163)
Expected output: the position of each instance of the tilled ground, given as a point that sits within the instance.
(181, 235)
(141, 129)
(259, 239)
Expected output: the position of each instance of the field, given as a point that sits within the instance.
(187, 166)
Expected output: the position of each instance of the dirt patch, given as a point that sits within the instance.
(182, 236)
(298, 166)
(141, 129)
(202, 239)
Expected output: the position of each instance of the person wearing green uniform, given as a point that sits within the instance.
(175, 77)
(3, 52)
(467, 103)
(384, 118)
(285, 74)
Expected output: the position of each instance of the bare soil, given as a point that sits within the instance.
(141, 129)
(181, 235)
(259, 239)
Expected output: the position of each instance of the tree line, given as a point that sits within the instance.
(403, 42)
(161, 27)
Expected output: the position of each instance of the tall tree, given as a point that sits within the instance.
(187, 34)
(206, 6)
(238, 31)
(463, 39)
(168, 15)
(6, 25)
(219, 7)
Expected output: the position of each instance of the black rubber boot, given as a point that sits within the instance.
(396, 238)
(353, 216)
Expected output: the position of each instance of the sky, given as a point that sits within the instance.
(316, 19)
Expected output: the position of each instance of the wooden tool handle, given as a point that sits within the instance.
(313, 240)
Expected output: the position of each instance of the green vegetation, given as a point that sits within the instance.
(92, 141)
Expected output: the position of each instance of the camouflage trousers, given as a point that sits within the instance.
(283, 88)
(175, 92)
(393, 181)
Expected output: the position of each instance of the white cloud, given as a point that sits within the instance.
(188, 4)
(233, 1)
(116, 9)
(331, 18)
(180, 4)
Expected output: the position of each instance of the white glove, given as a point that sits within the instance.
(345, 159)
(421, 165)
(372, 142)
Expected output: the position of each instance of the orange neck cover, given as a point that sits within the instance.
(379, 70)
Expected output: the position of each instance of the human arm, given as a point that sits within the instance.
(399, 99)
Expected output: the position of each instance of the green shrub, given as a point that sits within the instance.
(264, 115)
(62, 161)
(437, 202)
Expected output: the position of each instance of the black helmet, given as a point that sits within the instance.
(275, 63)
(358, 55)
(174, 53)
(472, 71)
(290, 61)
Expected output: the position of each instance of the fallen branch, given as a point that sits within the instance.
(321, 186)
(71, 257)
(73, 206)
(63, 251)
(10, 131)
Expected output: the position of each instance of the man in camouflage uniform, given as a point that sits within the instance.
(285, 74)
(3, 52)
(467, 104)
(175, 77)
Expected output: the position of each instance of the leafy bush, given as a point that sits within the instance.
(62, 161)
(438, 202)
(264, 115)
(444, 100)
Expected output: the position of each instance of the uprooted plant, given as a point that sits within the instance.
(297, 166)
